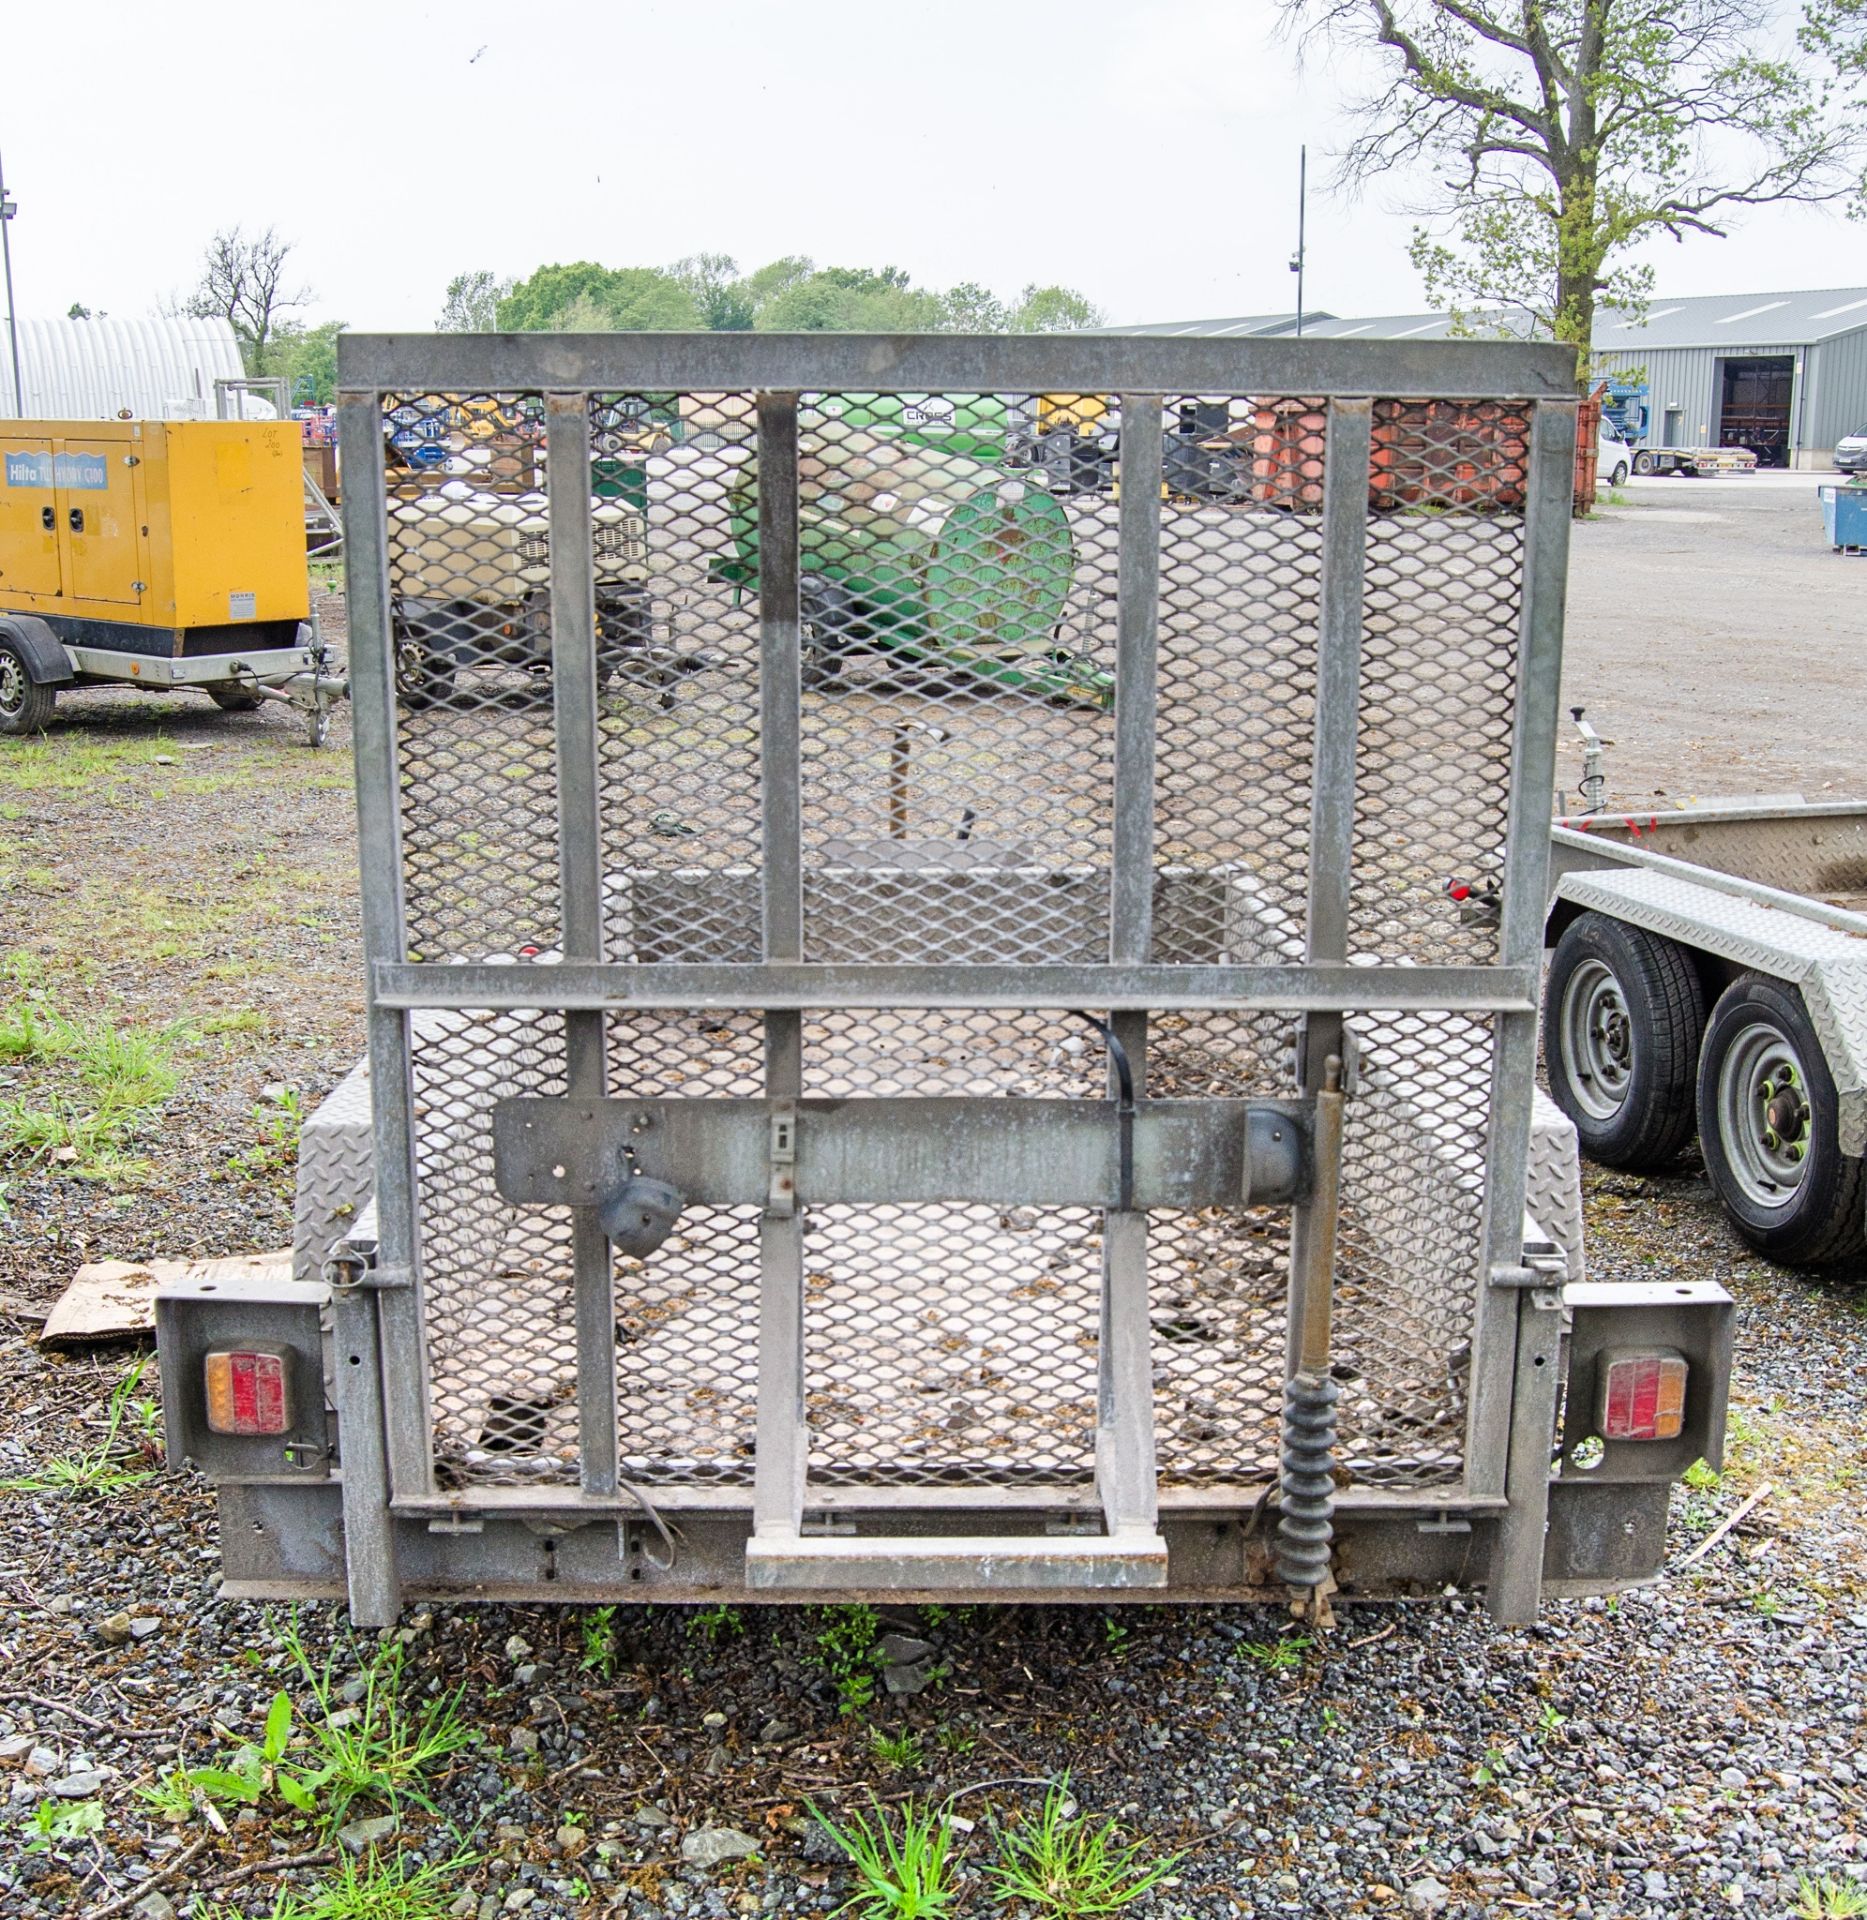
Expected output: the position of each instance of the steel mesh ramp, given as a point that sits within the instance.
(912, 972)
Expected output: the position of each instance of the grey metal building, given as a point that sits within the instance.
(1784, 374)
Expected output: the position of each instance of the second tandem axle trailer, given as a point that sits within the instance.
(1708, 976)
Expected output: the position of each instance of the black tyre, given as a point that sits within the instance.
(235, 699)
(25, 705)
(424, 675)
(1618, 478)
(1769, 1125)
(1643, 463)
(1623, 1012)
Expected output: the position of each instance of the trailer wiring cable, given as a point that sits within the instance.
(1124, 1077)
(669, 1536)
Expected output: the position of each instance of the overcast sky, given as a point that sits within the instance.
(1142, 150)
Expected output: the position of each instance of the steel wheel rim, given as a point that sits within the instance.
(12, 686)
(1763, 1116)
(1597, 1040)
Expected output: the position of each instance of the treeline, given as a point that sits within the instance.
(707, 292)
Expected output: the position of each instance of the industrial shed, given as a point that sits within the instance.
(160, 368)
(1784, 374)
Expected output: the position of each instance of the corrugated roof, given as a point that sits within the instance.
(1705, 320)
(1240, 327)
(159, 368)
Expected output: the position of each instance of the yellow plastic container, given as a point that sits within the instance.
(154, 536)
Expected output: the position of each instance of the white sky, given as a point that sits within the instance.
(1143, 150)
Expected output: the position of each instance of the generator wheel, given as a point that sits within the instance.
(424, 676)
(25, 704)
(234, 698)
(1770, 1126)
(1622, 1015)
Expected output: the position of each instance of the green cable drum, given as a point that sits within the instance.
(935, 555)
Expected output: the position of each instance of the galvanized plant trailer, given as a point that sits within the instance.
(901, 1134)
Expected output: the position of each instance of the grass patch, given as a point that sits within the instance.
(1061, 1863)
(373, 1888)
(78, 763)
(378, 1748)
(1829, 1899)
(104, 1468)
(904, 1870)
(105, 1082)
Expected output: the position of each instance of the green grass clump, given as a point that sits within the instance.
(1061, 1863)
(904, 1871)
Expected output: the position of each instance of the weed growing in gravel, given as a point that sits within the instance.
(900, 1752)
(1063, 1864)
(375, 1749)
(714, 1624)
(54, 1823)
(845, 1651)
(1828, 1899)
(1702, 1478)
(103, 1469)
(1277, 1656)
(955, 1740)
(276, 1149)
(599, 1641)
(244, 1779)
(904, 1875)
(372, 1888)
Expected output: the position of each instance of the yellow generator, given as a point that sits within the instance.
(153, 553)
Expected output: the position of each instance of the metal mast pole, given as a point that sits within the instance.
(1296, 265)
(7, 210)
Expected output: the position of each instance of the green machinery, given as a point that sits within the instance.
(925, 552)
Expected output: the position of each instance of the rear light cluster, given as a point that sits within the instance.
(246, 1393)
(1642, 1395)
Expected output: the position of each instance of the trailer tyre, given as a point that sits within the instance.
(1770, 1126)
(1643, 463)
(235, 699)
(1622, 1017)
(25, 703)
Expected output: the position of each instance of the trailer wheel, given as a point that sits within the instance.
(1622, 1016)
(1769, 1123)
(424, 676)
(25, 703)
(1643, 463)
(233, 698)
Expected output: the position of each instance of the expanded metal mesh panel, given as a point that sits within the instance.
(1410, 1244)
(1217, 1277)
(1442, 606)
(678, 726)
(500, 1307)
(687, 1316)
(961, 580)
(958, 616)
(469, 564)
(1240, 584)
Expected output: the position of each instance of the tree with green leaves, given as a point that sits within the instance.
(472, 302)
(1560, 135)
(307, 358)
(1053, 310)
(585, 297)
(724, 301)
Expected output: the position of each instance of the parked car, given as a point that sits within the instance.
(1851, 451)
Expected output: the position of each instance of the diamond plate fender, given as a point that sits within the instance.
(1827, 963)
(1553, 1179)
(334, 1173)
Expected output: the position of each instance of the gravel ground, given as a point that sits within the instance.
(1686, 1751)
